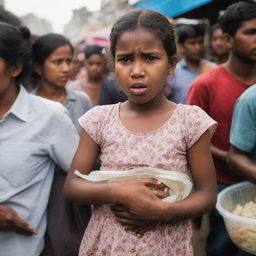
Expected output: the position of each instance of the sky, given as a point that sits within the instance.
(58, 12)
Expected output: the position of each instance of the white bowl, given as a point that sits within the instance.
(242, 231)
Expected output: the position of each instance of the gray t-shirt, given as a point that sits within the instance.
(77, 103)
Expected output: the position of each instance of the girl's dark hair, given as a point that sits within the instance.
(150, 20)
(14, 48)
(92, 49)
(235, 14)
(45, 45)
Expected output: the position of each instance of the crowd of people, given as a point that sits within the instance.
(133, 105)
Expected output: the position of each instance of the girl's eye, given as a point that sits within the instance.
(124, 59)
(151, 58)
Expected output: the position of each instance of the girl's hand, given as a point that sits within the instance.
(140, 231)
(128, 220)
(161, 190)
(141, 199)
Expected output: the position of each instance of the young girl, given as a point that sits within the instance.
(146, 130)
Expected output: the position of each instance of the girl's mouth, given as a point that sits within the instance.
(138, 89)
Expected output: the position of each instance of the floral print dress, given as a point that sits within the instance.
(122, 149)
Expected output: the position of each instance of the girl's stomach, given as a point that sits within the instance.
(106, 236)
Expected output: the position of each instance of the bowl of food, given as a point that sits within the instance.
(237, 205)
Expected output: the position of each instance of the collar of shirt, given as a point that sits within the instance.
(184, 65)
(70, 96)
(20, 106)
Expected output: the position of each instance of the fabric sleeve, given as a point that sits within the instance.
(243, 128)
(63, 140)
(86, 103)
(91, 123)
(196, 123)
(199, 95)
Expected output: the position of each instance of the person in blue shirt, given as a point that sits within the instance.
(191, 46)
(35, 134)
(242, 153)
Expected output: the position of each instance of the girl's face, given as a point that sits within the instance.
(141, 65)
(7, 76)
(56, 68)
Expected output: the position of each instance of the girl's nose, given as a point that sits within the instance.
(137, 69)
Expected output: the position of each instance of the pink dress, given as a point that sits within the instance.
(122, 149)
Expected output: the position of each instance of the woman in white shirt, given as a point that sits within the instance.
(35, 134)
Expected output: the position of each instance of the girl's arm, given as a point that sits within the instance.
(135, 192)
(80, 190)
(202, 200)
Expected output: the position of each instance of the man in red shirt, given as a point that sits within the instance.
(216, 92)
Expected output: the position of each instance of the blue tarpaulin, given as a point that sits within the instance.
(171, 8)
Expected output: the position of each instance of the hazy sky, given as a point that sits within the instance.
(58, 12)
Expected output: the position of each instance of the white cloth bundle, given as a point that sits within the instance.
(179, 184)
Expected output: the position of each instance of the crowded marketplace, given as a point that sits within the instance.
(128, 128)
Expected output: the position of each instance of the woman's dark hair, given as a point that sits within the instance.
(8, 17)
(235, 14)
(91, 50)
(14, 48)
(189, 31)
(149, 20)
(45, 45)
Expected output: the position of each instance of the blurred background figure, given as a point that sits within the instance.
(52, 58)
(192, 64)
(76, 65)
(218, 46)
(217, 91)
(94, 64)
(98, 83)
